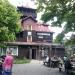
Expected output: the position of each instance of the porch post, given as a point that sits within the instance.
(30, 54)
(50, 55)
(39, 52)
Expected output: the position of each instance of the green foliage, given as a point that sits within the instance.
(59, 38)
(9, 21)
(63, 10)
(71, 41)
(21, 61)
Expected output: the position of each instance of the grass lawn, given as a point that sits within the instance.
(21, 61)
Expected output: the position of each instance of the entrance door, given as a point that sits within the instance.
(33, 53)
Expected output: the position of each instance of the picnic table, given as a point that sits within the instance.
(54, 63)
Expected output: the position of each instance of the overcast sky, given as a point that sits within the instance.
(29, 3)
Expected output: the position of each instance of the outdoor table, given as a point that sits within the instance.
(54, 63)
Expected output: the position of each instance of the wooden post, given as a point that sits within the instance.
(50, 48)
(30, 55)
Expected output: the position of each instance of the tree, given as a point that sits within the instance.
(71, 41)
(59, 38)
(9, 21)
(63, 10)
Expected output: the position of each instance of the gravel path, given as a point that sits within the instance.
(35, 68)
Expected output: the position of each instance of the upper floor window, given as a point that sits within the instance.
(21, 34)
(29, 27)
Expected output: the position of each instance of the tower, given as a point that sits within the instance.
(27, 12)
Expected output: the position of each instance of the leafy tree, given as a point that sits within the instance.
(71, 41)
(9, 21)
(63, 10)
(59, 38)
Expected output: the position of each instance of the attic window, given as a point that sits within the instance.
(29, 27)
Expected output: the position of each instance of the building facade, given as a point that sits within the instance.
(35, 41)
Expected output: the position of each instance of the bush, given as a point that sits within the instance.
(21, 61)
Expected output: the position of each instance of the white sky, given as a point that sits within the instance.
(30, 3)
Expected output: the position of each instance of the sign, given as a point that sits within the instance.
(44, 34)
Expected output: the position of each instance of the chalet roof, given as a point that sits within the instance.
(42, 28)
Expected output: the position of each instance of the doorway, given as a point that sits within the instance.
(33, 53)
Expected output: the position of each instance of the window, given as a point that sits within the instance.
(21, 34)
(2, 51)
(29, 27)
(14, 50)
(29, 33)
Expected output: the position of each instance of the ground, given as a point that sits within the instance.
(35, 68)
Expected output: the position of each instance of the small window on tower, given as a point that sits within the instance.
(29, 27)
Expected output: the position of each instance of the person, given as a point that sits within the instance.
(68, 65)
(64, 59)
(47, 61)
(60, 63)
(8, 63)
(1, 69)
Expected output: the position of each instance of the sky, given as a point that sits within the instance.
(31, 4)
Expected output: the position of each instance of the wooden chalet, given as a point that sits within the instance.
(35, 41)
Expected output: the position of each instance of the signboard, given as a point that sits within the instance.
(44, 34)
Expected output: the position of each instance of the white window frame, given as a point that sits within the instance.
(2, 51)
(12, 48)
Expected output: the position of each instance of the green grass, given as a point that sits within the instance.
(21, 61)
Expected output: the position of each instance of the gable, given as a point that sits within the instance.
(29, 18)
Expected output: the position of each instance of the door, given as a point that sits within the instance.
(33, 53)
